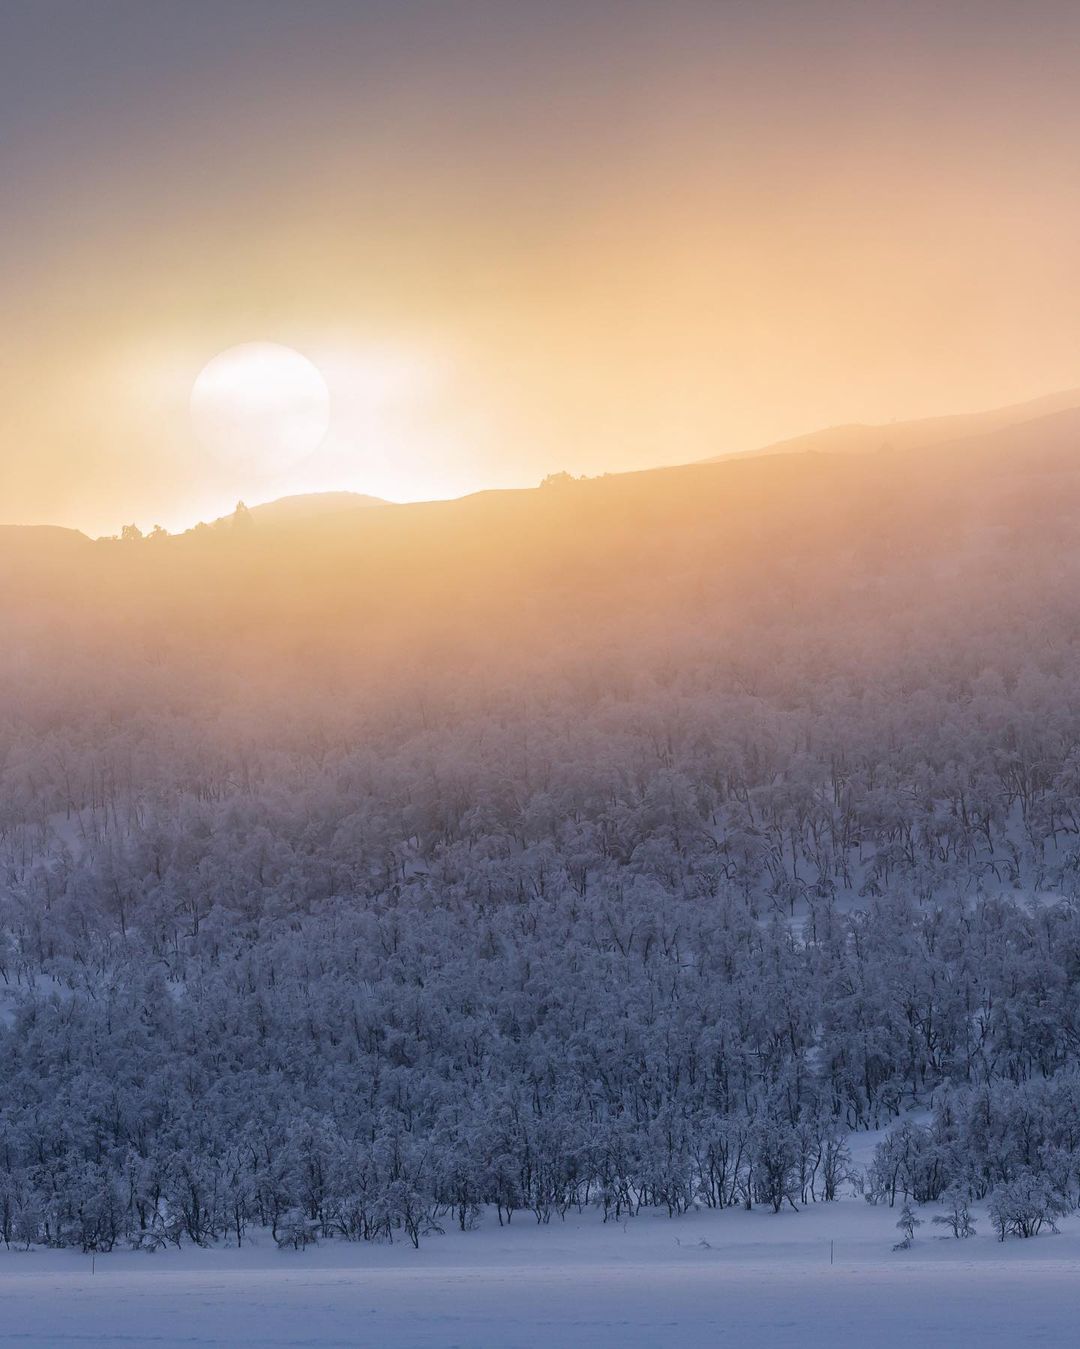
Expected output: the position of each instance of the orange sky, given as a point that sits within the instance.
(520, 237)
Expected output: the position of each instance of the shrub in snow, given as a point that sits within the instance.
(957, 1217)
(297, 1231)
(907, 1224)
(1024, 1205)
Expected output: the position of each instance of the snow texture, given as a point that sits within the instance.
(704, 1280)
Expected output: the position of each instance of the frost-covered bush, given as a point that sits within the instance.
(907, 1224)
(1021, 1207)
(957, 1216)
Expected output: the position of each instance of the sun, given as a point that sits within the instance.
(260, 407)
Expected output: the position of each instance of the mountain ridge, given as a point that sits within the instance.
(1005, 436)
(858, 438)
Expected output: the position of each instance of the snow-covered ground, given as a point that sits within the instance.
(706, 1280)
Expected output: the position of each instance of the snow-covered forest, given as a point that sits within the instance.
(353, 917)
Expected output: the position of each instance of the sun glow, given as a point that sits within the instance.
(261, 406)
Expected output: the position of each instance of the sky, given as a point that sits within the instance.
(518, 238)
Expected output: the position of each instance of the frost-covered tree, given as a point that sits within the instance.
(907, 1223)
(957, 1216)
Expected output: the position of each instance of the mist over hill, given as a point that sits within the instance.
(622, 841)
(858, 438)
(304, 508)
(737, 558)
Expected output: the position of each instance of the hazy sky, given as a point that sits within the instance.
(519, 237)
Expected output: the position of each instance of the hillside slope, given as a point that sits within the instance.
(649, 561)
(861, 438)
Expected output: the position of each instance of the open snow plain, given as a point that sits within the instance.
(697, 1282)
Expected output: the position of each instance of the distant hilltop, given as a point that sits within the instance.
(847, 473)
(868, 438)
(301, 508)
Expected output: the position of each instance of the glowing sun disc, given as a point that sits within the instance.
(260, 406)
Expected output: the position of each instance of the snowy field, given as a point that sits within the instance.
(710, 1280)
